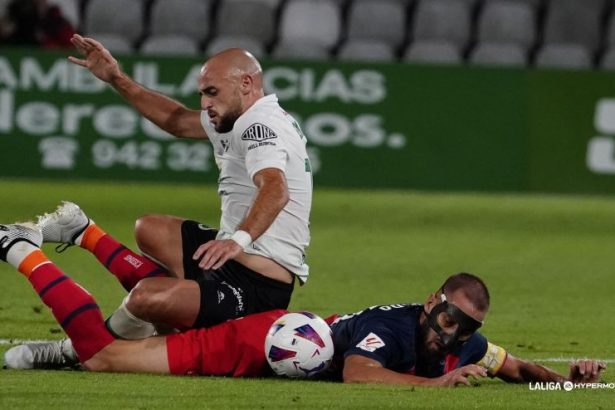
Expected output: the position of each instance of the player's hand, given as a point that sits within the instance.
(97, 58)
(460, 376)
(586, 371)
(215, 253)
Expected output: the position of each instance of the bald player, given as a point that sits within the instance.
(250, 263)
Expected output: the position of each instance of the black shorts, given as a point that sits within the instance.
(233, 290)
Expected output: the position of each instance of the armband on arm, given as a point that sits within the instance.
(494, 359)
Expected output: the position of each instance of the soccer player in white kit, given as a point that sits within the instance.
(249, 265)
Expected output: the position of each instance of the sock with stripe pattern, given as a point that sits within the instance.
(128, 267)
(72, 306)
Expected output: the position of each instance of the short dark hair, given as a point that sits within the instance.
(472, 286)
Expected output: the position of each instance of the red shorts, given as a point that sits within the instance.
(233, 348)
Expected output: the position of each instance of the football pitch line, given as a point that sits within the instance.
(568, 359)
(13, 342)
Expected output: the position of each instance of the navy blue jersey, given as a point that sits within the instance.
(390, 334)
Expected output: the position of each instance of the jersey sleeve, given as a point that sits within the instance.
(263, 146)
(473, 350)
(376, 343)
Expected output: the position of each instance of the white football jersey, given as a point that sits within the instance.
(265, 136)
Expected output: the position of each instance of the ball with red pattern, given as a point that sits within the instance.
(299, 345)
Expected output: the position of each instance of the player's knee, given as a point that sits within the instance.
(147, 228)
(145, 298)
(140, 299)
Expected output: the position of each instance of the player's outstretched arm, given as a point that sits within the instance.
(360, 369)
(516, 370)
(163, 111)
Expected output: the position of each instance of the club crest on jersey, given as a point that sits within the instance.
(224, 146)
(371, 343)
(258, 132)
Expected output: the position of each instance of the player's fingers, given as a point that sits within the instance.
(77, 61)
(211, 256)
(205, 260)
(221, 261)
(601, 366)
(201, 250)
(197, 254)
(474, 370)
(76, 39)
(209, 263)
(480, 372)
(94, 44)
(80, 48)
(595, 368)
(462, 380)
(589, 369)
(588, 366)
(581, 367)
(475, 374)
(80, 43)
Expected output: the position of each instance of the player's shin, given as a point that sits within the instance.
(74, 309)
(128, 267)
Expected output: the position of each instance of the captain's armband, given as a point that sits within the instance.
(494, 359)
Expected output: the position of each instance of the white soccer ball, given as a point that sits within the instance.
(299, 345)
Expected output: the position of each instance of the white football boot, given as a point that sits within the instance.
(20, 235)
(65, 225)
(45, 355)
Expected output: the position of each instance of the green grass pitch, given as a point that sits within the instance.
(548, 260)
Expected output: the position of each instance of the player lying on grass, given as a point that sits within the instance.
(435, 344)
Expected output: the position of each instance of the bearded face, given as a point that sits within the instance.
(227, 120)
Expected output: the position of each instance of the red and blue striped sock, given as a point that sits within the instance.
(72, 306)
(128, 267)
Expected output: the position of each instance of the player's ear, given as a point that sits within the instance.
(247, 82)
(430, 301)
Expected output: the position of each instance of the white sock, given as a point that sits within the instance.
(18, 252)
(125, 325)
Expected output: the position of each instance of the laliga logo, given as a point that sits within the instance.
(601, 149)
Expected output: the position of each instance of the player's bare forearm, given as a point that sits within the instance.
(271, 197)
(385, 376)
(165, 112)
(359, 369)
(521, 371)
(168, 114)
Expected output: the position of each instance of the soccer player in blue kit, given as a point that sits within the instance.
(435, 344)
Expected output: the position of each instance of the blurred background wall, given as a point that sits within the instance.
(491, 95)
